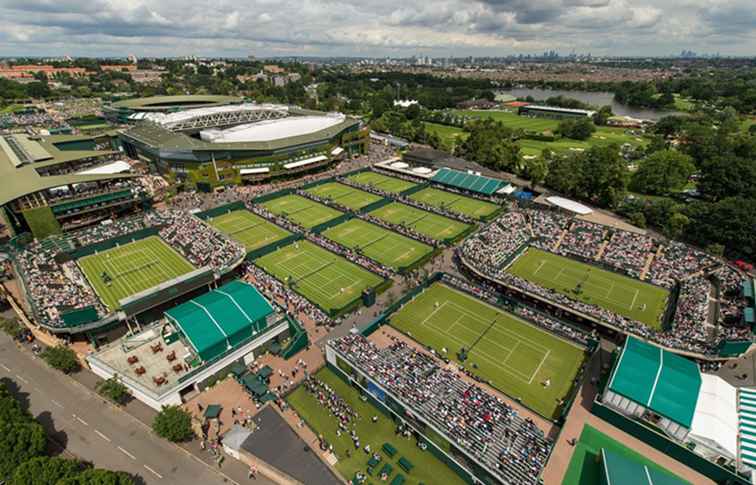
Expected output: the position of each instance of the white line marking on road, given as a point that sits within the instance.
(80, 420)
(22, 379)
(56, 403)
(102, 436)
(7, 369)
(127, 453)
(154, 472)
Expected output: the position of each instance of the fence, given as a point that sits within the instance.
(298, 339)
(376, 205)
(220, 210)
(332, 223)
(274, 246)
(113, 242)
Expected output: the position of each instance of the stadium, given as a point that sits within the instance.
(129, 110)
(221, 143)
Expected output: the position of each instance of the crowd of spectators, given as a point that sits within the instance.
(628, 251)
(400, 229)
(473, 419)
(351, 255)
(583, 239)
(29, 118)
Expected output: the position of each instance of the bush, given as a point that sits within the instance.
(11, 327)
(61, 358)
(174, 424)
(577, 128)
(114, 390)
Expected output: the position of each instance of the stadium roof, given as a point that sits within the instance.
(716, 417)
(468, 181)
(271, 130)
(621, 469)
(222, 318)
(23, 178)
(163, 103)
(659, 380)
(569, 205)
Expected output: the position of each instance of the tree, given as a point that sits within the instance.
(11, 327)
(728, 176)
(603, 175)
(729, 222)
(21, 437)
(490, 144)
(536, 170)
(663, 172)
(601, 116)
(61, 358)
(576, 128)
(114, 390)
(45, 470)
(98, 476)
(173, 423)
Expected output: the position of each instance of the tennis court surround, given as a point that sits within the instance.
(385, 183)
(517, 358)
(345, 195)
(248, 229)
(301, 210)
(324, 278)
(460, 204)
(137, 266)
(429, 224)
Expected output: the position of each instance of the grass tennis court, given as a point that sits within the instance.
(615, 292)
(515, 356)
(428, 469)
(125, 270)
(429, 224)
(322, 277)
(345, 195)
(384, 182)
(248, 229)
(379, 244)
(303, 211)
(460, 204)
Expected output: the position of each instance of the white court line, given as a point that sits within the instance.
(154, 472)
(20, 378)
(56, 403)
(539, 367)
(127, 453)
(102, 436)
(7, 369)
(80, 420)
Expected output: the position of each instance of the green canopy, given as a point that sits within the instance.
(254, 385)
(619, 469)
(213, 411)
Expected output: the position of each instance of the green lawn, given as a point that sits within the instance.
(379, 244)
(515, 356)
(303, 211)
(451, 136)
(428, 469)
(126, 270)
(615, 292)
(429, 224)
(585, 466)
(324, 278)
(512, 119)
(248, 229)
(460, 204)
(345, 195)
(383, 182)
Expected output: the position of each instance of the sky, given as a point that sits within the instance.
(375, 28)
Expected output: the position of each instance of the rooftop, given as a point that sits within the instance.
(161, 103)
(269, 130)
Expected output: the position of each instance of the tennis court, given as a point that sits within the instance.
(345, 195)
(248, 229)
(460, 204)
(429, 224)
(324, 278)
(517, 358)
(379, 244)
(615, 292)
(300, 210)
(137, 266)
(385, 183)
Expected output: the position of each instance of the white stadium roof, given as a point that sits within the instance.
(188, 114)
(715, 421)
(569, 205)
(273, 129)
(109, 169)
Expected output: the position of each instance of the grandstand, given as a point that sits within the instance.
(124, 111)
(467, 181)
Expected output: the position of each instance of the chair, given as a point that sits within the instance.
(171, 357)
(398, 479)
(140, 370)
(133, 359)
(406, 465)
(389, 449)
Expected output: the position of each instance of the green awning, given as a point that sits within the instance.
(747, 286)
(748, 315)
(468, 181)
(265, 372)
(619, 469)
(213, 411)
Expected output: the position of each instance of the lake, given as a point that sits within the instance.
(598, 99)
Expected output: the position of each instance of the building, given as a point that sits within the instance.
(119, 67)
(122, 112)
(63, 182)
(231, 144)
(146, 76)
(29, 70)
(554, 112)
(273, 69)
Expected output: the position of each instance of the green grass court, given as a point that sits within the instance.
(248, 229)
(515, 356)
(345, 195)
(428, 469)
(303, 211)
(615, 292)
(324, 278)
(460, 204)
(429, 224)
(384, 182)
(379, 244)
(125, 270)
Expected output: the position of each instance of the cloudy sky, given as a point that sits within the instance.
(374, 27)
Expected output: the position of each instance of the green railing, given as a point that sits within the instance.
(113, 242)
(220, 210)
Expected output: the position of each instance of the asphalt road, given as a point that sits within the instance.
(92, 429)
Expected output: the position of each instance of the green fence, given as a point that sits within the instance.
(668, 447)
(415, 189)
(81, 316)
(113, 242)
(298, 339)
(733, 348)
(376, 205)
(275, 246)
(332, 223)
(273, 195)
(220, 210)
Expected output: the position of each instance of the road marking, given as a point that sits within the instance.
(153, 472)
(102, 436)
(56, 403)
(127, 453)
(7, 369)
(80, 420)
(22, 379)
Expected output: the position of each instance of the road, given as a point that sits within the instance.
(94, 430)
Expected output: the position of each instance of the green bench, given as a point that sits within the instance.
(398, 480)
(389, 449)
(373, 461)
(387, 469)
(406, 464)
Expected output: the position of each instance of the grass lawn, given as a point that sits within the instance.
(125, 270)
(460, 204)
(248, 229)
(303, 211)
(379, 244)
(615, 292)
(512, 119)
(515, 356)
(345, 195)
(324, 278)
(428, 469)
(384, 182)
(429, 224)
(451, 136)
(585, 466)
